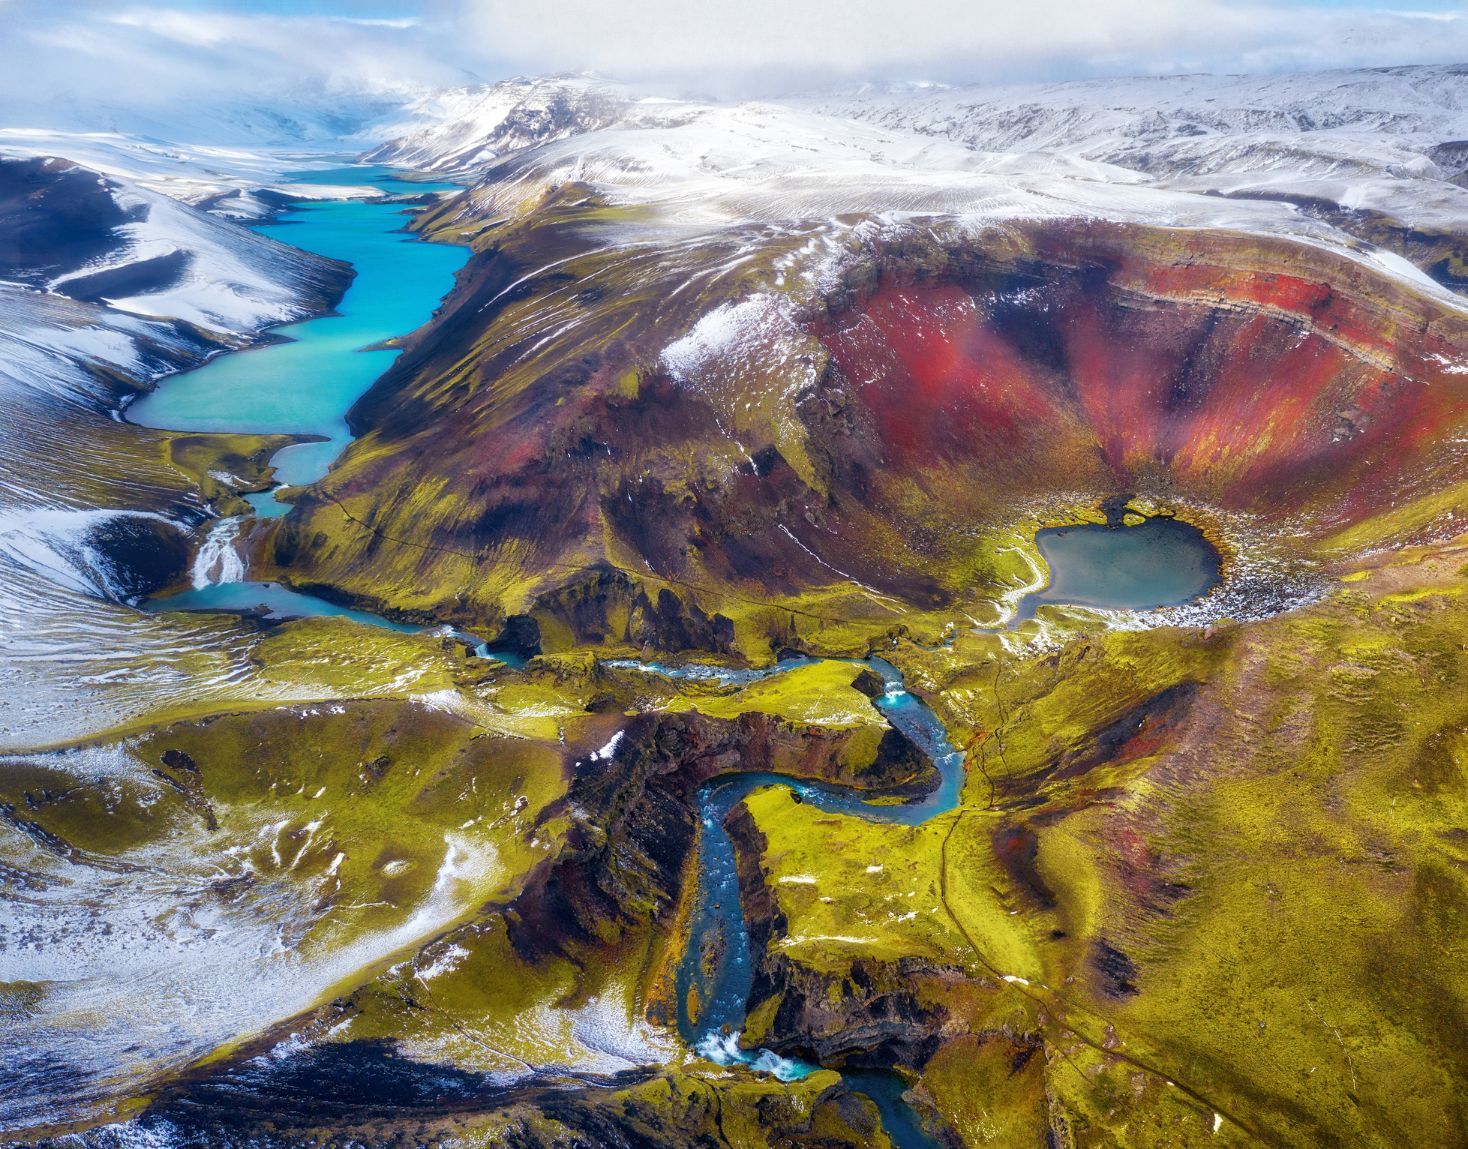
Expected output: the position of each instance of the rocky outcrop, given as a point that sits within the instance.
(874, 1017)
(635, 821)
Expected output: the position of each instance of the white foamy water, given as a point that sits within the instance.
(218, 560)
(724, 1049)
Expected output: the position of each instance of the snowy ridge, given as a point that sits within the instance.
(103, 239)
(1120, 120)
(778, 168)
(230, 182)
(463, 128)
(54, 546)
(1390, 141)
(1363, 138)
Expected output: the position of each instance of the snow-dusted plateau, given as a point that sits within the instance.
(905, 616)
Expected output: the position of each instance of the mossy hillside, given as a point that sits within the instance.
(671, 1109)
(1320, 869)
(168, 470)
(346, 804)
(473, 1000)
(223, 467)
(850, 888)
(1279, 852)
(991, 1090)
(1440, 514)
(520, 985)
(817, 695)
(328, 841)
(76, 451)
(236, 663)
(594, 602)
(674, 1110)
(489, 585)
(1030, 719)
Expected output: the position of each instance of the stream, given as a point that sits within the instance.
(718, 915)
(306, 385)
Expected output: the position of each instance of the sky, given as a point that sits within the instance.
(106, 63)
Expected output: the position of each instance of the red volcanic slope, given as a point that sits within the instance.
(1281, 395)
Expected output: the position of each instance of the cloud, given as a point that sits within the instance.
(238, 70)
(223, 75)
(790, 42)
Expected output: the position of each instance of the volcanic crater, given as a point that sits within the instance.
(893, 439)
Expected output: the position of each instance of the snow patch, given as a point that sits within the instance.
(54, 545)
(606, 752)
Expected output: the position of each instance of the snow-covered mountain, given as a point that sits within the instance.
(104, 287)
(1370, 160)
(1364, 139)
(462, 128)
(1410, 121)
(73, 231)
(229, 182)
(1151, 123)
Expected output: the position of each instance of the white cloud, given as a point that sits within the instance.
(806, 42)
(210, 74)
(219, 72)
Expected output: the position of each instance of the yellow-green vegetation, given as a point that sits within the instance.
(264, 862)
(1029, 719)
(1203, 886)
(1212, 885)
(638, 418)
(1439, 512)
(235, 664)
(853, 888)
(223, 466)
(817, 694)
(473, 1001)
(361, 807)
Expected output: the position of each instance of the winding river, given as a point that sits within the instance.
(719, 918)
(305, 387)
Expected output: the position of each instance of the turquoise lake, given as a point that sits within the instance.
(306, 386)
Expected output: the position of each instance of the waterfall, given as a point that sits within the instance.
(218, 560)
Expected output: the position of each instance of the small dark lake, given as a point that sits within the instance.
(1159, 562)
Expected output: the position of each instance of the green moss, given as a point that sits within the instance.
(991, 1090)
(354, 807)
(222, 467)
(819, 694)
(850, 888)
(1268, 865)
(1436, 512)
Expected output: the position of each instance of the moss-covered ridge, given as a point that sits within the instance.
(393, 850)
(1166, 838)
